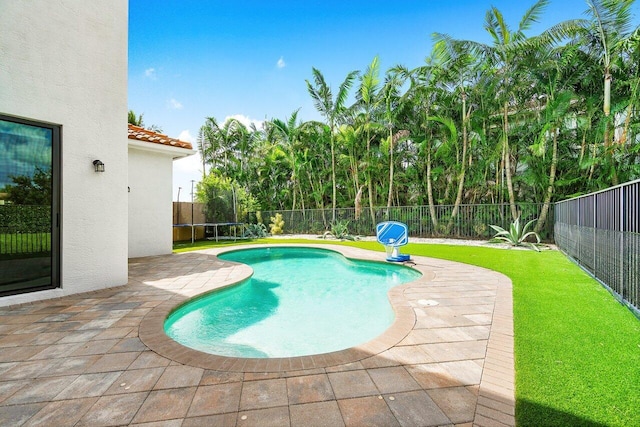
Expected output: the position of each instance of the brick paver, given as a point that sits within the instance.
(102, 359)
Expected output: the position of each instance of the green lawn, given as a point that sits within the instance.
(24, 245)
(577, 350)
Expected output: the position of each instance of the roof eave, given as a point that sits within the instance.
(175, 152)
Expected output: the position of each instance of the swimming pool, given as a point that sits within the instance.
(299, 301)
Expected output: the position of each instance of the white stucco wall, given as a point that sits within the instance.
(150, 207)
(65, 62)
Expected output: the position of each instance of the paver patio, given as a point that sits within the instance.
(102, 359)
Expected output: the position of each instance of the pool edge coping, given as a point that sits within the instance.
(151, 329)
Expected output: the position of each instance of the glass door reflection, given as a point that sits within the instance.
(29, 249)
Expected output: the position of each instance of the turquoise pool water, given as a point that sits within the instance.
(300, 301)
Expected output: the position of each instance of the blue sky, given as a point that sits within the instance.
(190, 59)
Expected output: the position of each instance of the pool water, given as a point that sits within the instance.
(299, 301)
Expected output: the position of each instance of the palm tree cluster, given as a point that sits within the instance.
(520, 119)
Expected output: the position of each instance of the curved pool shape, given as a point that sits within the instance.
(299, 301)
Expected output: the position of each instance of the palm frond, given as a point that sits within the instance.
(369, 81)
(532, 15)
(343, 90)
(449, 124)
(491, 25)
(320, 93)
(502, 29)
(443, 50)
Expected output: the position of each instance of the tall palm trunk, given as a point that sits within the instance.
(630, 109)
(550, 188)
(583, 147)
(507, 163)
(369, 183)
(390, 197)
(354, 171)
(333, 178)
(432, 207)
(302, 201)
(293, 203)
(357, 205)
(463, 168)
(607, 92)
(370, 191)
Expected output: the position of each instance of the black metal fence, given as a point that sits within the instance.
(601, 232)
(471, 221)
(24, 230)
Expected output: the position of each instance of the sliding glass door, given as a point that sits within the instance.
(29, 205)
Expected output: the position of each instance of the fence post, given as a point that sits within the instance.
(622, 230)
(595, 234)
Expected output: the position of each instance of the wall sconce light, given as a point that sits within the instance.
(98, 165)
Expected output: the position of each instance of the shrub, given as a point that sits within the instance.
(277, 224)
(224, 201)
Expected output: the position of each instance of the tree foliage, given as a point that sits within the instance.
(523, 118)
(224, 201)
(137, 120)
(30, 190)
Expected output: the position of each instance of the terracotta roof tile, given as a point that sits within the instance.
(141, 134)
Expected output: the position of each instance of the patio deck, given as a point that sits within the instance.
(101, 358)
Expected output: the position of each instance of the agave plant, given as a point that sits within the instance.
(339, 230)
(255, 231)
(517, 235)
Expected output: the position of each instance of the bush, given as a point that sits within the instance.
(277, 224)
(218, 194)
(25, 219)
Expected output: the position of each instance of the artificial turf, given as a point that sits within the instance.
(577, 350)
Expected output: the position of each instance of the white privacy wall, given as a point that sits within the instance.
(150, 206)
(65, 62)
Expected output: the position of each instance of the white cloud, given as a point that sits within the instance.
(189, 166)
(185, 170)
(281, 63)
(245, 120)
(185, 136)
(174, 104)
(151, 73)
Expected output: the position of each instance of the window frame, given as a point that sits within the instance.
(56, 205)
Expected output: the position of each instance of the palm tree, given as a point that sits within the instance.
(502, 56)
(558, 101)
(134, 119)
(221, 142)
(603, 37)
(460, 68)
(609, 27)
(421, 97)
(289, 133)
(391, 96)
(349, 138)
(632, 51)
(333, 111)
(368, 100)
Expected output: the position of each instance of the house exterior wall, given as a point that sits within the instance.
(65, 62)
(150, 183)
